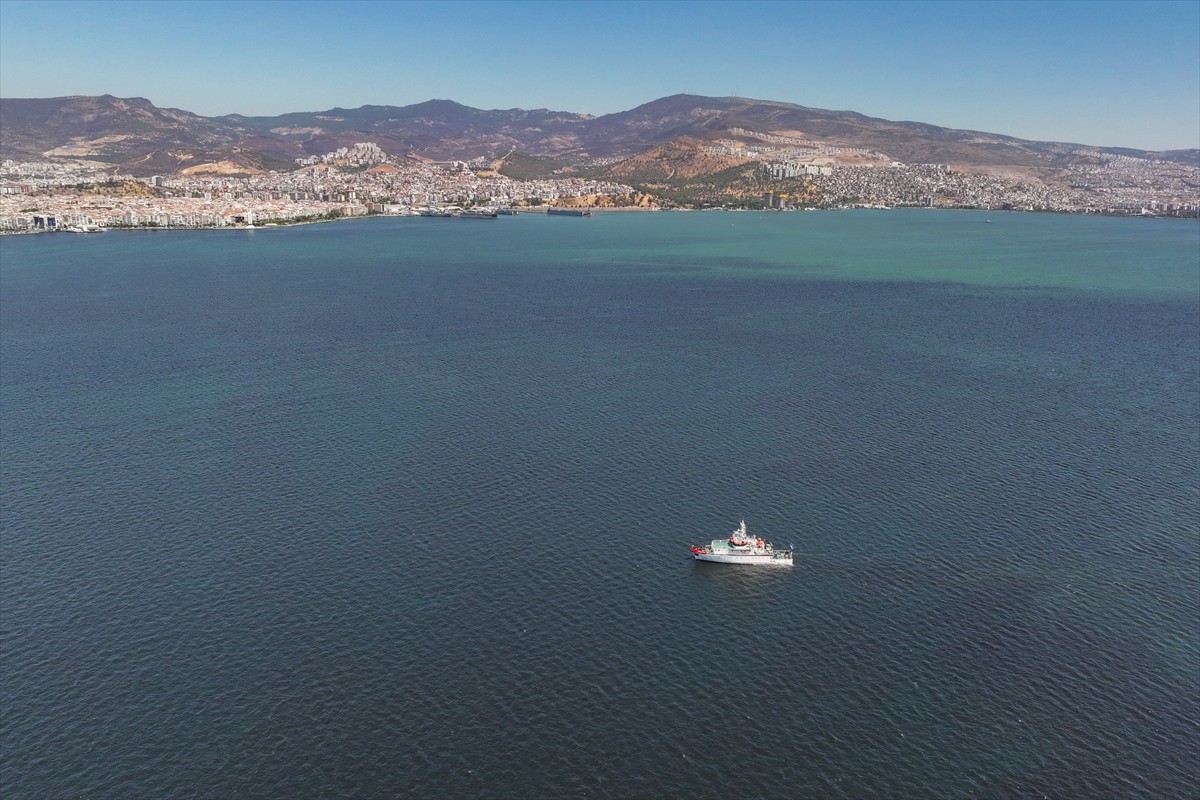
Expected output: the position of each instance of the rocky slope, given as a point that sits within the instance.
(135, 134)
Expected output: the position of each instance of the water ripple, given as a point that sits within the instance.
(318, 521)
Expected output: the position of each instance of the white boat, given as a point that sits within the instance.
(742, 548)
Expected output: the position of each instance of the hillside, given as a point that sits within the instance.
(522, 167)
(667, 136)
(104, 128)
(675, 161)
(439, 129)
(682, 172)
(227, 161)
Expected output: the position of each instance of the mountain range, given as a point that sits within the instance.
(140, 138)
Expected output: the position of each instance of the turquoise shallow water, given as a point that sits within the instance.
(402, 507)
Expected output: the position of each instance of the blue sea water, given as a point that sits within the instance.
(402, 508)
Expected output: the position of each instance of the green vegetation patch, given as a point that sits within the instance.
(521, 167)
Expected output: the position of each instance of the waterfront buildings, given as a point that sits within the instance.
(362, 179)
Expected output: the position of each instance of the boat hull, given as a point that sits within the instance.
(745, 558)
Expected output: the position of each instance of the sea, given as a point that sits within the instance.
(402, 508)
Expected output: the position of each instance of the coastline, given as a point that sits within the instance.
(164, 228)
(594, 211)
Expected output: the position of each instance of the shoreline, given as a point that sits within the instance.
(542, 211)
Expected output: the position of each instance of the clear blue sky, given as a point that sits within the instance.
(1101, 73)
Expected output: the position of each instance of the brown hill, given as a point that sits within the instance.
(227, 161)
(675, 161)
(683, 172)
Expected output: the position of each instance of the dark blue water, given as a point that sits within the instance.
(402, 508)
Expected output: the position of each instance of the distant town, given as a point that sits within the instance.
(350, 182)
(362, 179)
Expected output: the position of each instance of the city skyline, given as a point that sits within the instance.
(1106, 74)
